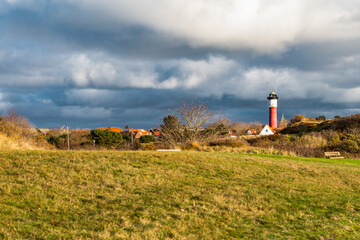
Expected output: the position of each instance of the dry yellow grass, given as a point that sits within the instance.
(7, 143)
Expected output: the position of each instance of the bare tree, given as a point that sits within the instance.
(195, 117)
(191, 123)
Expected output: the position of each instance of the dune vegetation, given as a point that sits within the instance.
(16, 132)
(180, 195)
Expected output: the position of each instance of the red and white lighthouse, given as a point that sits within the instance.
(273, 109)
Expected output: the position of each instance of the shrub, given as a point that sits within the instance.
(150, 147)
(334, 141)
(291, 137)
(54, 140)
(297, 118)
(234, 143)
(107, 138)
(321, 118)
(18, 129)
(147, 139)
(194, 146)
(350, 146)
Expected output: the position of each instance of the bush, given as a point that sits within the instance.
(150, 147)
(193, 146)
(107, 138)
(297, 118)
(321, 118)
(147, 139)
(350, 146)
(18, 129)
(234, 143)
(54, 140)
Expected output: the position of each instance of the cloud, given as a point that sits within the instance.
(84, 113)
(265, 26)
(215, 76)
(84, 71)
(4, 103)
(109, 72)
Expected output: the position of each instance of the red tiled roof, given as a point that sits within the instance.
(272, 129)
(112, 129)
(157, 133)
(141, 131)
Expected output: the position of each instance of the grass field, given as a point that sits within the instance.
(180, 195)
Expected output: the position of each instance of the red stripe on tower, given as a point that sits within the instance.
(273, 109)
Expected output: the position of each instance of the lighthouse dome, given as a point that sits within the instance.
(272, 95)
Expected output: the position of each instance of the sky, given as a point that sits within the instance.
(90, 63)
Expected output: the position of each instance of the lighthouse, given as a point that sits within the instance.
(273, 109)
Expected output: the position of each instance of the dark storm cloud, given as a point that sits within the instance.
(309, 57)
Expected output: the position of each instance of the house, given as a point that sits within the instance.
(136, 133)
(232, 133)
(267, 130)
(43, 130)
(251, 132)
(155, 132)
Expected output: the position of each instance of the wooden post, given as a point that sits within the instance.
(132, 139)
(68, 138)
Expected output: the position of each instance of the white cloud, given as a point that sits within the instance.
(265, 26)
(97, 73)
(102, 71)
(170, 83)
(215, 77)
(85, 71)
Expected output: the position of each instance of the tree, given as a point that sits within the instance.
(297, 118)
(147, 139)
(191, 123)
(337, 116)
(321, 118)
(126, 126)
(107, 138)
(171, 130)
(195, 117)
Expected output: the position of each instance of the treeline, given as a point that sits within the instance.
(188, 124)
(95, 139)
(195, 123)
(195, 127)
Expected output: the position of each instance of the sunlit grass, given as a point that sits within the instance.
(181, 195)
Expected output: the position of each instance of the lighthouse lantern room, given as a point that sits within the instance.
(273, 109)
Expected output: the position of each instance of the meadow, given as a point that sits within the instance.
(180, 195)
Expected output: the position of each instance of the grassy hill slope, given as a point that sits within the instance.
(7, 142)
(341, 124)
(192, 195)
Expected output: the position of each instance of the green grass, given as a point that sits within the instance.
(180, 195)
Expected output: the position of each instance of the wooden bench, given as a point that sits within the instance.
(333, 155)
